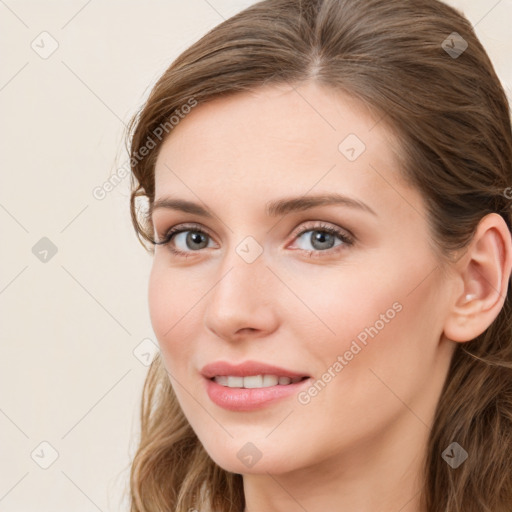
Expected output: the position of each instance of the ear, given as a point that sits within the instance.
(481, 280)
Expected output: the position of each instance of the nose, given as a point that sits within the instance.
(243, 302)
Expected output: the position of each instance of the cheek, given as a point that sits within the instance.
(384, 316)
(388, 343)
(382, 357)
(337, 303)
(160, 301)
(171, 298)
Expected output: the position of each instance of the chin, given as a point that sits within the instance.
(249, 460)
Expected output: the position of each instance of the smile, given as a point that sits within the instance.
(250, 385)
(255, 381)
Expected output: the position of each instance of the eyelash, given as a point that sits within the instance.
(347, 240)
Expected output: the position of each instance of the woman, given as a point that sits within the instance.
(324, 185)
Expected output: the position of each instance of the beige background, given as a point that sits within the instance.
(75, 330)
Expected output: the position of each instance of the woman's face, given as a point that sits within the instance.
(353, 314)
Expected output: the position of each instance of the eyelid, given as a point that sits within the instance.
(323, 225)
(345, 235)
(180, 228)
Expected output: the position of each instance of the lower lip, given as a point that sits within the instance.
(250, 399)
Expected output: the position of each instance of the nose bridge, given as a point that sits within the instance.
(241, 296)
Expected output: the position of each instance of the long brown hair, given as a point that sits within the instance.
(449, 110)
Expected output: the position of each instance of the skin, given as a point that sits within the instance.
(359, 443)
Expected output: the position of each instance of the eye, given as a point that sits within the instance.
(187, 239)
(322, 238)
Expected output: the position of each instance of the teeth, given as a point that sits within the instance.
(223, 381)
(270, 380)
(254, 381)
(235, 382)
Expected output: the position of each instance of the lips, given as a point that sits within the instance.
(251, 385)
(247, 369)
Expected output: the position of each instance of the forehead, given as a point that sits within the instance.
(279, 139)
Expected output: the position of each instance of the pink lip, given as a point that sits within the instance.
(219, 368)
(244, 399)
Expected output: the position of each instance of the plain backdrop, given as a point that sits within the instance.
(76, 337)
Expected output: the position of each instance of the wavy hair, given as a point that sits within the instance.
(452, 119)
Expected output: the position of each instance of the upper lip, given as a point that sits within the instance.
(247, 368)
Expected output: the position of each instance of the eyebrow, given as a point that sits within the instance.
(274, 208)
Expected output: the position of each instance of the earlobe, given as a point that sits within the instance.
(482, 277)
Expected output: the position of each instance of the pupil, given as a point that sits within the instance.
(323, 239)
(195, 238)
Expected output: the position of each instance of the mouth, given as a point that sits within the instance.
(253, 371)
(251, 385)
(255, 381)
